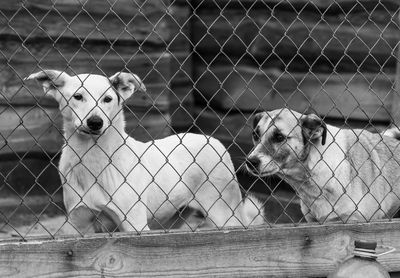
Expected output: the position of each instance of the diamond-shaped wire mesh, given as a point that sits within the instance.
(129, 115)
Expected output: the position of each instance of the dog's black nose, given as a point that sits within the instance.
(253, 163)
(94, 123)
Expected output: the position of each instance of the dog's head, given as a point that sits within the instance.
(282, 138)
(89, 103)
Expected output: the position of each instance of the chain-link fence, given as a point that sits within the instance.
(130, 115)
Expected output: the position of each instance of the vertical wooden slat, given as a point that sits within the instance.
(396, 96)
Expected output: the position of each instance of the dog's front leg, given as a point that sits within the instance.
(130, 208)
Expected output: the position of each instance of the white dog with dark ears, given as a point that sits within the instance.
(339, 174)
(103, 169)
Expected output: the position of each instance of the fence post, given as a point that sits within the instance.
(396, 96)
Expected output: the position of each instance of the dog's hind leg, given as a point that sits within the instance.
(83, 220)
(222, 206)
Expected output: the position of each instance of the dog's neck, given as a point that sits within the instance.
(319, 162)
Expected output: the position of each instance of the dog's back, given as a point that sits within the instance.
(375, 172)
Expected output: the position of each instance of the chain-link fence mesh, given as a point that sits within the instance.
(128, 115)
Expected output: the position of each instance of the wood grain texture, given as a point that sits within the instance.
(321, 4)
(305, 251)
(137, 22)
(359, 36)
(124, 7)
(360, 96)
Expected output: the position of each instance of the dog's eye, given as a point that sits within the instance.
(78, 96)
(107, 99)
(278, 137)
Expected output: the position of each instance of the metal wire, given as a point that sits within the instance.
(209, 68)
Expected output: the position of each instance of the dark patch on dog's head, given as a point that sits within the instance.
(52, 78)
(126, 84)
(257, 119)
(313, 128)
(114, 85)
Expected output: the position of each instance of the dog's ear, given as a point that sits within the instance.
(313, 128)
(257, 118)
(126, 84)
(51, 80)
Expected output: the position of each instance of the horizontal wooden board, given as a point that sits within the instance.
(360, 96)
(320, 4)
(305, 251)
(26, 177)
(124, 7)
(357, 36)
(29, 130)
(146, 22)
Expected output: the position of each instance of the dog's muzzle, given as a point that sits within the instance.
(253, 164)
(94, 123)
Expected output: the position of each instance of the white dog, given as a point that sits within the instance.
(339, 174)
(103, 169)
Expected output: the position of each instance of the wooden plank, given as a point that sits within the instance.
(305, 251)
(30, 130)
(121, 7)
(359, 37)
(37, 176)
(321, 4)
(360, 96)
(114, 21)
(147, 25)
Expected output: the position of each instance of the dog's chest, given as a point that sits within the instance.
(94, 175)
